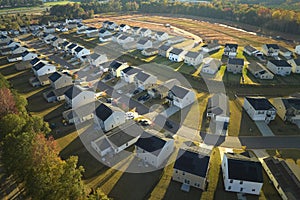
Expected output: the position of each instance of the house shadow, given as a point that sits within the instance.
(9, 69)
(38, 103)
(212, 139)
(21, 83)
(205, 122)
(174, 192)
(220, 191)
(248, 126)
(253, 78)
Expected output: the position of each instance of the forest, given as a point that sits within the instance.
(19, 3)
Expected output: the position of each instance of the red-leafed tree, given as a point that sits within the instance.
(7, 102)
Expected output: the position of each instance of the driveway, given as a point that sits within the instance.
(264, 128)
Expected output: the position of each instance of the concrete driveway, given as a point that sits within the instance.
(264, 128)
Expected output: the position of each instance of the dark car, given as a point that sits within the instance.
(144, 123)
(146, 97)
(140, 98)
(107, 77)
(136, 91)
(169, 125)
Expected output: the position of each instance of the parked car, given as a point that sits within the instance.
(136, 91)
(140, 98)
(146, 97)
(169, 125)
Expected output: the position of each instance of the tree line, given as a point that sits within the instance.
(32, 158)
(19, 3)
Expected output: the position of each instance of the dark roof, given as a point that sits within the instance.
(135, 28)
(61, 91)
(192, 54)
(250, 48)
(103, 112)
(102, 143)
(131, 70)
(218, 104)
(164, 47)
(260, 103)
(102, 30)
(94, 56)
(142, 41)
(142, 76)
(91, 28)
(273, 46)
(115, 64)
(71, 46)
(150, 143)
(110, 23)
(292, 103)
(123, 37)
(55, 76)
(231, 46)
(283, 49)
(236, 61)
(25, 53)
(144, 29)
(176, 51)
(65, 43)
(211, 45)
(34, 61)
(39, 66)
(297, 61)
(245, 170)
(280, 63)
(179, 91)
(54, 38)
(122, 25)
(127, 69)
(78, 49)
(73, 92)
(160, 33)
(192, 163)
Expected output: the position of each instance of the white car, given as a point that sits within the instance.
(131, 115)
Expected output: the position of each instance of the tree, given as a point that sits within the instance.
(7, 102)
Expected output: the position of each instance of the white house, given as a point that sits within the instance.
(124, 28)
(161, 36)
(115, 37)
(136, 30)
(259, 71)
(91, 32)
(145, 32)
(116, 67)
(242, 174)
(71, 48)
(285, 52)
(191, 169)
(81, 51)
(288, 109)
(218, 112)
(129, 73)
(56, 43)
(60, 80)
(180, 96)
(230, 50)
(105, 24)
(211, 47)
(144, 44)
(81, 28)
(26, 55)
(77, 96)
(279, 67)
(48, 38)
(35, 61)
(144, 80)
(211, 65)
(251, 51)
(102, 146)
(14, 57)
(295, 63)
(97, 59)
(235, 65)
(56, 94)
(175, 39)
(49, 29)
(297, 49)
(112, 26)
(123, 39)
(42, 68)
(164, 50)
(64, 45)
(270, 50)
(105, 38)
(10, 44)
(103, 32)
(193, 58)
(177, 55)
(152, 149)
(259, 109)
(108, 117)
(149, 52)
(18, 50)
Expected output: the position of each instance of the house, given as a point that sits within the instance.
(211, 65)
(218, 112)
(81, 52)
(81, 28)
(108, 117)
(136, 30)
(105, 24)
(242, 174)
(295, 63)
(71, 48)
(129, 73)
(177, 55)
(211, 47)
(235, 65)
(145, 32)
(193, 58)
(153, 149)
(80, 114)
(10, 44)
(123, 39)
(297, 49)
(116, 67)
(102, 146)
(103, 32)
(251, 51)
(14, 57)
(144, 44)
(175, 40)
(60, 80)
(164, 50)
(23, 29)
(35, 61)
(285, 52)
(49, 29)
(112, 26)
(180, 96)
(71, 25)
(4, 39)
(57, 43)
(279, 67)
(97, 59)
(91, 32)
(43, 68)
(40, 80)
(56, 94)
(18, 50)
(3, 32)
(48, 38)
(288, 109)
(124, 28)
(191, 169)
(149, 52)
(230, 50)
(270, 50)
(161, 90)
(144, 80)
(259, 71)
(26, 55)
(77, 96)
(20, 66)
(105, 38)
(259, 109)
(284, 176)
(116, 36)
(64, 45)
(161, 36)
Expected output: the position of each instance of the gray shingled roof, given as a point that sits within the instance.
(280, 63)
(142, 76)
(260, 103)
(179, 91)
(236, 61)
(150, 143)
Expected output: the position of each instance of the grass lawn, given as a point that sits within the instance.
(59, 3)
(286, 153)
(279, 127)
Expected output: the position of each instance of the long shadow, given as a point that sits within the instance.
(220, 191)
(248, 126)
(21, 82)
(9, 69)
(174, 192)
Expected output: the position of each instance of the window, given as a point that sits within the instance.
(241, 189)
(241, 182)
(229, 187)
(176, 171)
(253, 190)
(183, 173)
(231, 181)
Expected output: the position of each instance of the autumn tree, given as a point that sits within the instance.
(7, 102)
